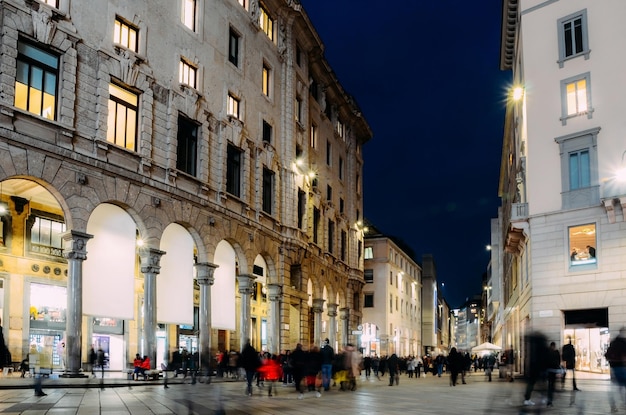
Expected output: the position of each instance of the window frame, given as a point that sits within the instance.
(234, 43)
(185, 19)
(563, 41)
(118, 34)
(187, 74)
(370, 303)
(268, 190)
(564, 97)
(266, 80)
(234, 164)
(331, 236)
(313, 136)
(267, 132)
(571, 143)
(369, 252)
(266, 22)
(582, 259)
(188, 152)
(368, 275)
(233, 107)
(119, 101)
(33, 64)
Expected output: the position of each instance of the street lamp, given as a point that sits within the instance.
(620, 174)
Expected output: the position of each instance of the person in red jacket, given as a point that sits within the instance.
(271, 371)
(145, 366)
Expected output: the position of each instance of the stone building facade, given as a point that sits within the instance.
(176, 174)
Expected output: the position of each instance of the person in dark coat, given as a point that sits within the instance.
(250, 362)
(392, 366)
(328, 356)
(455, 365)
(298, 363)
(537, 351)
(554, 367)
(569, 356)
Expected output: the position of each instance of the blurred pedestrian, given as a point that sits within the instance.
(455, 365)
(250, 362)
(616, 356)
(554, 368)
(537, 350)
(392, 367)
(569, 357)
(328, 355)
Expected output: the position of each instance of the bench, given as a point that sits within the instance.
(152, 374)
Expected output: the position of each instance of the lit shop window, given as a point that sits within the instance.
(36, 80)
(48, 306)
(582, 244)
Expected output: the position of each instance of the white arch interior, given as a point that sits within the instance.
(223, 290)
(259, 261)
(109, 270)
(309, 290)
(175, 282)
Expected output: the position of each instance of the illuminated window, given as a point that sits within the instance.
(573, 37)
(582, 244)
(122, 122)
(46, 236)
(125, 35)
(189, 14)
(53, 3)
(244, 4)
(340, 129)
(233, 106)
(233, 47)
(266, 80)
(576, 97)
(369, 252)
(187, 148)
(36, 80)
(187, 74)
(266, 23)
(313, 136)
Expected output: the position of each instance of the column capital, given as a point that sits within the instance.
(245, 283)
(332, 309)
(274, 292)
(344, 313)
(204, 273)
(150, 260)
(75, 245)
(318, 305)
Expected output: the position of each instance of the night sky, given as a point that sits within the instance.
(426, 76)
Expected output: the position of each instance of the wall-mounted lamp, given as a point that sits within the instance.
(620, 174)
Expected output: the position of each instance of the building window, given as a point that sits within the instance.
(298, 110)
(244, 4)
(329, 154)
(233, 170)
(573, 37)
(390, 277)
(233, 106)
(314, 89)
(266, 22)
(369, 252)
(582, 244)
(298, 55)
(341, 131)
(189, 14)
(341, 205)
(390, 303)
(53, 3)
(46, 236)
(340, 168)
(36, 80)
(125, 35)
(313, 136)
(122, 121)
(316, 225)
(233, 47)
(344, 245)
(186, 151)
(266, 75)
(579, 169)
(329, 193)
(187, 74)
(267, 132)
(331, 236)
(268, 190)
(368, 300)
(301, 207)
(368, 275)
(576, 97)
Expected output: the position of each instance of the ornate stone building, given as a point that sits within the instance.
(174, 173)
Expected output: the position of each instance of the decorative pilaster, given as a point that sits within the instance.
(318, 308)
(332, 323)
(344, 314)
(150, 267)
(275, 295)
(205, 279)
(75, 252)
(245, 289)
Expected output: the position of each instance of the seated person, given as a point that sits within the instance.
(145, 366)
(24, 367)
(138, 370)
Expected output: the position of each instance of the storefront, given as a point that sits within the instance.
(47, 318)
(589, 333)
(108, 335)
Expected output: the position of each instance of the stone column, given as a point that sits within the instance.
(150, 267)
(275, 294)
(344, 314)
(245, 289)
(318, 308)
(205, 279)
(332, 323)
(75, 252)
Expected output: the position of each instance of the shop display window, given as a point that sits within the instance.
(48, 306)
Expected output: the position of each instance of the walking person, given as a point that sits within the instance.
(93, 360)
(537, 363)
(298, 362)
(328, 356)
(455, 365)
(554, 367)
(100, 360)
(569, 357)
(392, 367)
(250, 362)
(616, 356)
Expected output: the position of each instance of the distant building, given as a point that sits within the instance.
(468, 327)
(436, 314)
(560, 262)
(392, 306)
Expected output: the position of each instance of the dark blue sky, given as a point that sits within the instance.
(426, 76)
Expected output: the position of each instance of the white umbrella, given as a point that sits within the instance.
(486, 347)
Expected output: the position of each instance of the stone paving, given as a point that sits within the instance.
(430, 395)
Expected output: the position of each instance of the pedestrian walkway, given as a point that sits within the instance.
(431, 395)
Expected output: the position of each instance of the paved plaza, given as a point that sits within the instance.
(430, 395)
